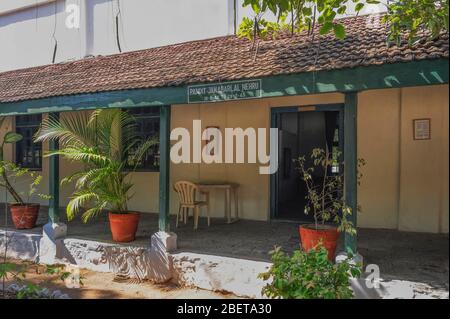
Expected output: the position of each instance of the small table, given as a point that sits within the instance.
(206, 187)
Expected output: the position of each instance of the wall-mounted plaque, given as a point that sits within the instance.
(216, 92)
(422, 129)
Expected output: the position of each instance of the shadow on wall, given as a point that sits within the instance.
(42, 11)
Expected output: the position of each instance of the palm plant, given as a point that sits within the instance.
(102, 141)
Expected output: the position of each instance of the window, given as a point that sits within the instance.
(28, 153)
(147, 120)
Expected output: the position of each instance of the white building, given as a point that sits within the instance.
(39, 32)
(31, 29)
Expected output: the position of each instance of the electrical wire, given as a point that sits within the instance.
(79, 33)
(117, 26)
(36, 13)
(235, 17)
(54, 32)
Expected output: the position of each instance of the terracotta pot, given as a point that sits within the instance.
(311, 237)
(24, 216)
(123, 226)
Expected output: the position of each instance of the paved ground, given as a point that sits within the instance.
(103, 286)
(407, 256)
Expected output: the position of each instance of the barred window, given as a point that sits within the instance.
(28, 153)
(147, 120)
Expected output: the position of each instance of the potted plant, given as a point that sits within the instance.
(309, 275)
(24, 213)
(104, 141)
(324, 184)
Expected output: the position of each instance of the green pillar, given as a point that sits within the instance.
(351, 164)
(53, 205)
(164, 167)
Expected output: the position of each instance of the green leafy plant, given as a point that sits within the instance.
(6, 269)
(9, 170)
(415, 16)
(60, 271)
(9, 138)
(33, 180)
(249, 28)
(31, 291)
(258, 25)
(309, 275)
(324, 196)
(57, 270)
(10, 271)
(103, 142)
(17, 273)
(403, 17)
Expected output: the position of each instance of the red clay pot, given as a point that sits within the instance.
(123, 226)
(311, 237)
(24, 216)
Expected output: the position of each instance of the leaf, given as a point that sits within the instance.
(359, 7)
(339, 31)
(12, 137)
(307, 11)
(256, 7)
(342, 9)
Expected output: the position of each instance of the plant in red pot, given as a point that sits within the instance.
(107, 142)
(324, 183)
(24, 213)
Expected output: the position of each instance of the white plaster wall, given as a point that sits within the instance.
(405, 181)
(8, 6)
(27, 27)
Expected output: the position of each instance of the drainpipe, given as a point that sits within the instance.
(87, 9)
(232, 16)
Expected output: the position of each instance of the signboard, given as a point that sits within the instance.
(225, 91)
(422, 129)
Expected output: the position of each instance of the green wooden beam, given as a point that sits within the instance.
(351, 164)
(53, 174)
(386, 76)
(394, 75)
(100, 100)
(164, 168)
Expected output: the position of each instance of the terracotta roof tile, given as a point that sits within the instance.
(218, 59)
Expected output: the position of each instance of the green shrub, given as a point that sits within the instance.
(309, 275)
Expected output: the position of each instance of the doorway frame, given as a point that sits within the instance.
(274, 115)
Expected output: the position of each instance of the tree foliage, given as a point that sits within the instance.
(403, 17)
(412, 16)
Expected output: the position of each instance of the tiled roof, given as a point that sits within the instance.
(218, 59)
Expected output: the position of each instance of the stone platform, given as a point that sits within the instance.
(228, 257)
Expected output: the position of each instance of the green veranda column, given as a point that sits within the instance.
(50, 244)
(53, 205)
(351, 164)
(164, 168)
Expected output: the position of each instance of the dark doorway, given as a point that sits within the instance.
(300, 131)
